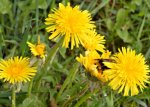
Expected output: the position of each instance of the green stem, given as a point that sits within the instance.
(85, 97)
(13, 97)
(48, 62)
(30, 88)
(76, 96)
(37, 17)
(141, 28)
(69, 79)
(14, 6)
(1, 41)
(52, 53)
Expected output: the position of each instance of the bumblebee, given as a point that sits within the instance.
(101, 67)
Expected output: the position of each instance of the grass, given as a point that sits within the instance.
(62, 81)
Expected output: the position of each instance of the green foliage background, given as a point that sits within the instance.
(62, 81)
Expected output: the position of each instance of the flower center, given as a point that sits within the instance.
(15, 70)
(72, 23)
(40, 48)
(129, 69)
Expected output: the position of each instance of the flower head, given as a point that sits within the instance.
(72, 23)
(128, 72)
(106, 54)
(37, 49)
(91, 62)
(94, 41)
(15, 70)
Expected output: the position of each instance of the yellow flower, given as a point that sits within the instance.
(94, 41)
(38, 49)
(15, 70)
(72, 23)
(89, 60)
(106, 55)
(128, 72)
(91, 63)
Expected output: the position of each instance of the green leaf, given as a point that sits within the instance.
(48, 61)
(5, 6)
(30, 5)
(147, 55)
(74, 92)
(101, 5)
(124, 35)
(91, 5)
(137, 2)
(69, 79)
(121, 18)
(42, 4)
(23, 5)
(32, 101)
(84, 98)
(141, 28)
(52, 53)
(109, 24)
(23, 44)
(131, 7)
(4, 94)
(49, 78)
(140, 102)
(137, 46)
(62, 52)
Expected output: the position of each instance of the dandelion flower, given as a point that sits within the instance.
(106, 54)
(128, 73)
(94, 41)
(16, 70)
(91, 63)
(89, 60)
(37, 49)
(71, 23)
